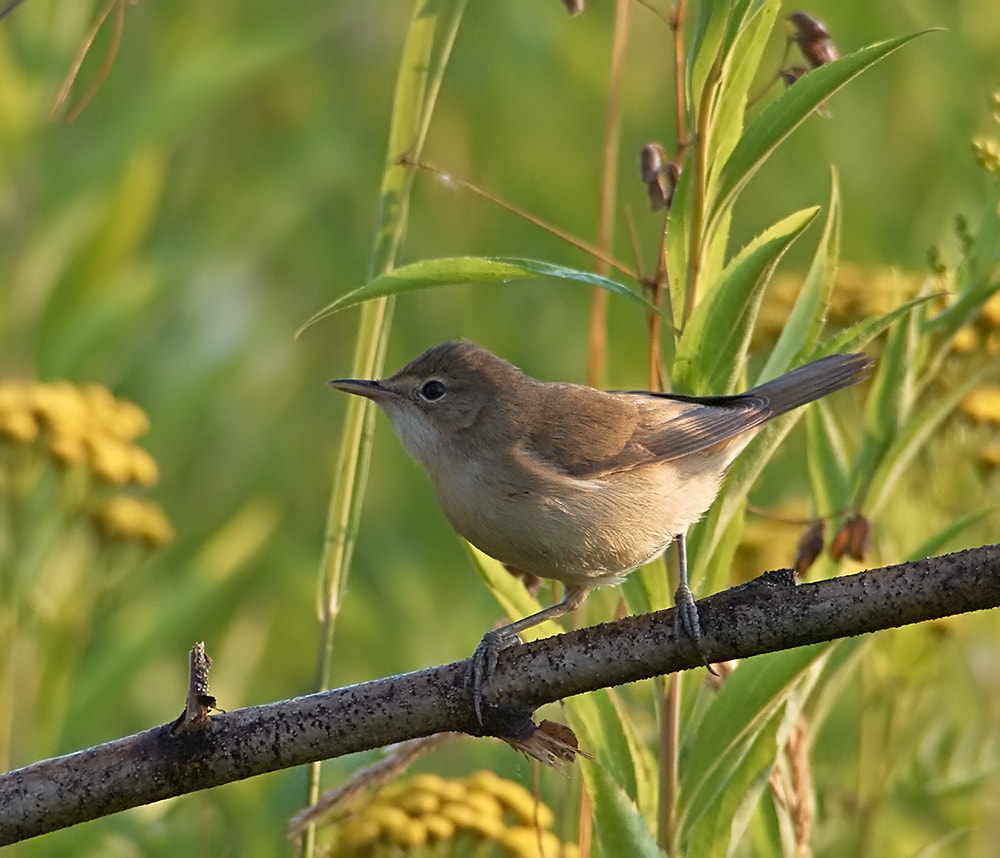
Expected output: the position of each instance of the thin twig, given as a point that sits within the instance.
(10, 7)
(588, 248)
(597, 351)
(81, 55)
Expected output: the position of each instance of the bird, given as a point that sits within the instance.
(571, 483)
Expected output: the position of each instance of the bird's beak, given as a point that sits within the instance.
(361, 387)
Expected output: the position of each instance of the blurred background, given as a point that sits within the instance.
(222, 184)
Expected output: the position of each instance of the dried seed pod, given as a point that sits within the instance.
(813, 39)
(810, 546)
(659, 174)
(852, 538)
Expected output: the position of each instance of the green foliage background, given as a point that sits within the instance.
(222, 185)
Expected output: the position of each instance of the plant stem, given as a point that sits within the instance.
(417, 86)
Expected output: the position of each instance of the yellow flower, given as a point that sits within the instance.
(484, 805)
(514, 797)
(19, 426)
(966, 340)
(130, 518)
(991, 310)
(118, 417)
(419, 802)
(60, 407)
(411, 835)
(82, 425)
(439, 827)
(983, 404)
(468, 818)
(357, 833)
(526, 842)
(410, 814)
(990, 454)
(144, 469)
(68, 450)
(110, 459)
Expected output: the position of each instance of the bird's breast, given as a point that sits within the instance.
(582, 531)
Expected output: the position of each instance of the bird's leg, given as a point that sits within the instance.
(484, 659)
(686, 621)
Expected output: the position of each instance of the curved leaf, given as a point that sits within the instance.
(780, 118)
(915, 434)
(511, 593)
(858, 335)
(738, 716)
(621, 828)
(801, 331)
(466, 269)
(710, 351)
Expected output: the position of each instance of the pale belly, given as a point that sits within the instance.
(585, 532)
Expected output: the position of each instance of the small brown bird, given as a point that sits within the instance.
(567, 482)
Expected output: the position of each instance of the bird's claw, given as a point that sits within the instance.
(687, 623)
(483, 663)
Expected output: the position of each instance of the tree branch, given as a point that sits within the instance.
(770, 613)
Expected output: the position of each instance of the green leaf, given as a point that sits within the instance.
(648, 588)
(828, 461)
(861, 333)
(749, 769)
(678, 246)
(620, 827)
(710, 352)
(937, 543)
(738, 69)
(780, 118)
(515, 600)
(977, 278)
(707, 45)
(923, 422)
(889, 400)
(741, 710)
(645, 762)
(801, 331)
(607, 730)
(466, 269)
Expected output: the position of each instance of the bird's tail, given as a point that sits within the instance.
(812, 381)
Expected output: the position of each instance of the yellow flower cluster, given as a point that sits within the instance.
(79, 425)
(428, 810)
(858, 293)
(982, 404)
(128, 518)
(984, 332)
(86, 426)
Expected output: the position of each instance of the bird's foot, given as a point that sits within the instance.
(484, 662)
(687, 623)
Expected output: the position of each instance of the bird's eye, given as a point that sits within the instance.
(432, 390)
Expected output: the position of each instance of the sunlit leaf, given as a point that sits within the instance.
(428, 273)
(920, 426)
(510, 592)
(742, 708)
(710, 352)
(620, 826)
(802, 327)
(784, 115)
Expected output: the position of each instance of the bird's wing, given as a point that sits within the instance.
(705, 422)
(629, 430)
